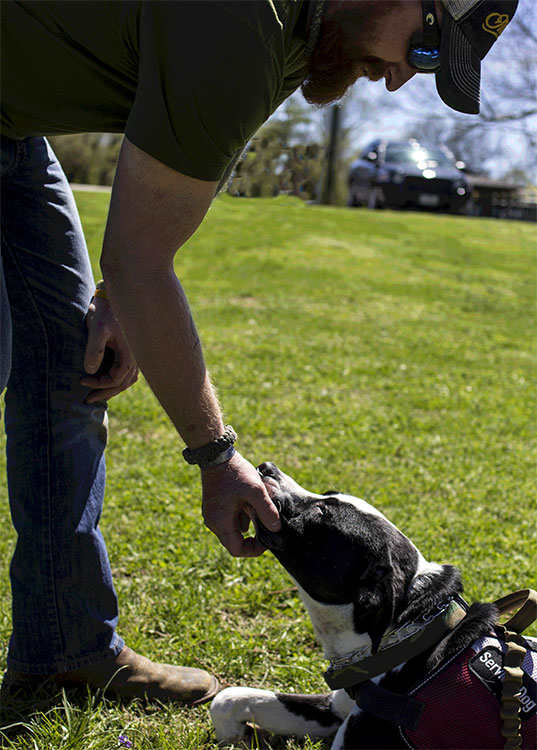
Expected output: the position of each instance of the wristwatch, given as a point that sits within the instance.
(216, 452)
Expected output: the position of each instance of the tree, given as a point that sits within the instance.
(88, 157)
(282, 157)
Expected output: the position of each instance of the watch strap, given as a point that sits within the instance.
(214, 453)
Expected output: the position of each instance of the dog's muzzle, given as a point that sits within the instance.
(272, 477)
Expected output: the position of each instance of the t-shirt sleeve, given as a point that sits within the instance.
(207, 81)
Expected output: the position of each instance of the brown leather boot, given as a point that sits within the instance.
(130, 675)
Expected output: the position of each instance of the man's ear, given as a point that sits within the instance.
(374, 602)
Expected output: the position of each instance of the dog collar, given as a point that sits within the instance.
(396, 647)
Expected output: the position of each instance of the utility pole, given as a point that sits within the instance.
(327, 194)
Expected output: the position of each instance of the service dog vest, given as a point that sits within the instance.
(461, 700)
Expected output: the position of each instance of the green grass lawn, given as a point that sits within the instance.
(389, 355)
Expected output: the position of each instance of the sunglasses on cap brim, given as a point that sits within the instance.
(424, 50)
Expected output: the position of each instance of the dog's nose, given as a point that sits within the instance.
(268, 469)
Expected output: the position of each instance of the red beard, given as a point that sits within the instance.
(344, 49)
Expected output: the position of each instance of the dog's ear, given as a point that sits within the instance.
(374, 603)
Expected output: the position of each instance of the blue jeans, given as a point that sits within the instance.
(65, 608)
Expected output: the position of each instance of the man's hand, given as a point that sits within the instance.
(233, 494)
(104, 332)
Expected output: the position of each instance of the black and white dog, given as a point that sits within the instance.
(370, 592)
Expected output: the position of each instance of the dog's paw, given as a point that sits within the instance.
(229, 723)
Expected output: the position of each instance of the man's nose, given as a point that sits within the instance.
(397, 75)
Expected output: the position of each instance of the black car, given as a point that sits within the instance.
(398, 174)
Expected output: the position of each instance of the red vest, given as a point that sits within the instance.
(462, 701)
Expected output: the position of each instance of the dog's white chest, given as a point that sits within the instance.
(334, 626)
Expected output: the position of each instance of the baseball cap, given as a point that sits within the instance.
(469, 29)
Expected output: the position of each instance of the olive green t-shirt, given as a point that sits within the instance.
(189, 82)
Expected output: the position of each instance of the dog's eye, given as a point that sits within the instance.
(320, 510)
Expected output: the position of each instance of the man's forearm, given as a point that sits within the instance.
(153, 211)
(155, 316)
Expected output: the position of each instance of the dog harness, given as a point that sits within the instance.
(485, 696)
(460, 702)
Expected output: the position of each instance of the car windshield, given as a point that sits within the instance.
(403, 154)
